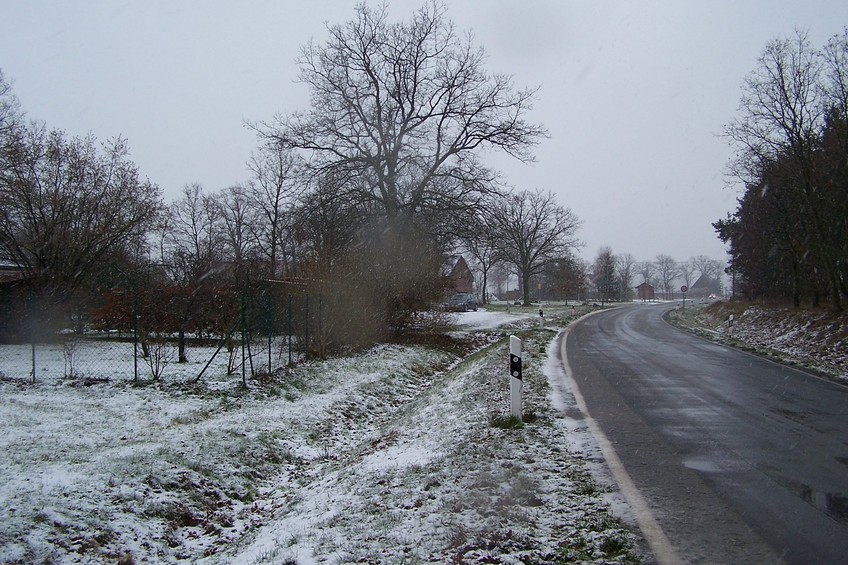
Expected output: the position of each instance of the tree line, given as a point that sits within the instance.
(788, 238)
(614, 277)
(357, 199)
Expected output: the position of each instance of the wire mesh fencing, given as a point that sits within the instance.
(148, 334)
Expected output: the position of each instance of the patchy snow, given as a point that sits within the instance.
(391, 455)
(485, 319)
(816, 339)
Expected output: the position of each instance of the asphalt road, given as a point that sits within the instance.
(741, 460)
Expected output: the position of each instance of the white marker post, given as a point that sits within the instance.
(515, 381)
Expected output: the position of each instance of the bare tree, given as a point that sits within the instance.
(479, 239)
(193, 239)
(270, 193)
(485, 258)
(501, 275)
(785, 105)
(834, 172)
(193, 244)
(667, 271)
(625, 269)
(686, 270)
(531, 230)
(234, 214)
(10, 109)
(836, 70)
(648, 271)
(399, 111)
(65, 204)
(324, 226)
(604, 274)
(566, 277)
(710, 268)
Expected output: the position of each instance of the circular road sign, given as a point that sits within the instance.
(684, 288)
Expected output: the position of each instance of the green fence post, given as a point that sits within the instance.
(135, 333)
(269, 313)
(306, 328)
(289, 328)
(30, 329)
(243, 359)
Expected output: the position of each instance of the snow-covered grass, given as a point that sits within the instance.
(816, 339)
(398, 454)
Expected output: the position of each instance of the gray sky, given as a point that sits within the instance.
(634, 93)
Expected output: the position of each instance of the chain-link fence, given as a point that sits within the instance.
(172, 333)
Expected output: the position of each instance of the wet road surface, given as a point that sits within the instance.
(740, 459)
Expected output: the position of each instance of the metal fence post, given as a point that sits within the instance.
(306, 328)
(289, 329)
(243, 359)
(135, 333)
(269, 318)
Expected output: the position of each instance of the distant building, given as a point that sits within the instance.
(458, 277)
(645, 292)
(704, 287)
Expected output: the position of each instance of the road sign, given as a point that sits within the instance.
(684, 288)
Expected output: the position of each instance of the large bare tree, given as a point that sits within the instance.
(193, 245)
(193, 239)
(67, 203)
(648, 271)
(604, 274)
(531, 230)
(625, 268)
(478, 237)
(400, 110)
(270, 194)
(10, 109)
(711, 268)
(235, 216)
(667, 271)
(795, 91)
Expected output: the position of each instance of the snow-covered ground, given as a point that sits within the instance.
(486, 319)
(398, 454)
(815, 339)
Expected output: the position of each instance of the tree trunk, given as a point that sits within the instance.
(834, 286)
(796, 286)
(525, 284)
(182, 347)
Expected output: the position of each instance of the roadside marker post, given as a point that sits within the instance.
(515, 379)
(541, 318)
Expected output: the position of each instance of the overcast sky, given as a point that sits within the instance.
(635, 94)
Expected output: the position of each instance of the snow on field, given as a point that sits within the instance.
(396, 454)
(485, 319)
